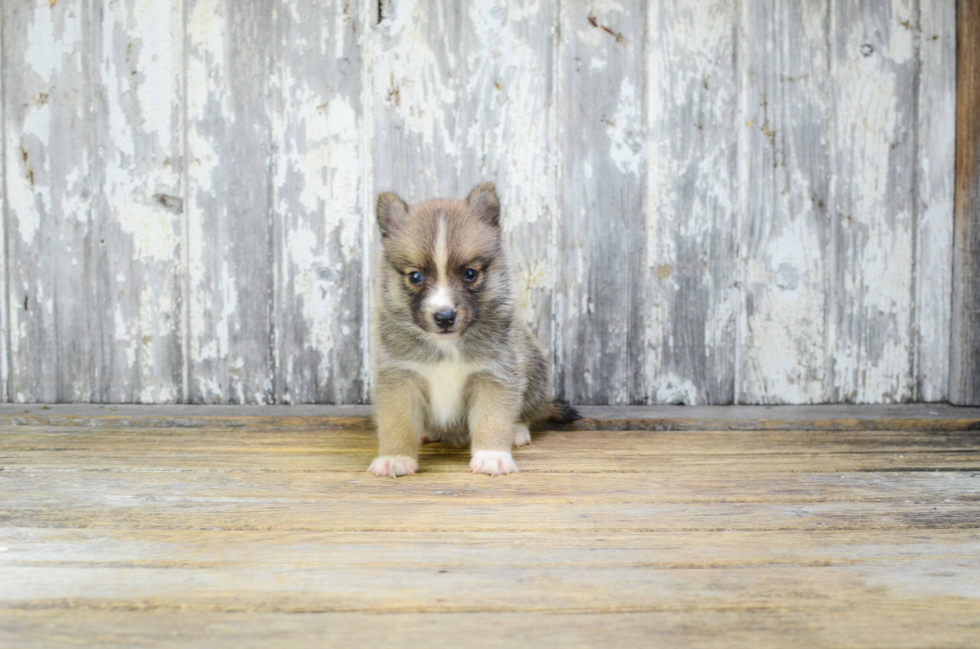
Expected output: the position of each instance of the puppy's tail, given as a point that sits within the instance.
(562, 412)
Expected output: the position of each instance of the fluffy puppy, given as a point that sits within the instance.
(452, 361)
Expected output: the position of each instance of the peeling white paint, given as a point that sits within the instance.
(796, 274)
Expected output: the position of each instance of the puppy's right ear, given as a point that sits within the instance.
(392, 212)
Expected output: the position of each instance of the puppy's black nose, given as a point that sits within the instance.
(445, 318)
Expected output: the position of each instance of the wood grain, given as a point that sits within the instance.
(138, 102)
(934, 185)
(229, 223)
(785, 234)
(873, 53)
(248, 535)
(4, 288)
(687, 282)
(964, 375)
(601, 234)
(318, 202)
(51, 176)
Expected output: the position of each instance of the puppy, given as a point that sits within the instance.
(452, 360)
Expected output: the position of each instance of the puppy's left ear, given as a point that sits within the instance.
(483, 201)
(392, 212)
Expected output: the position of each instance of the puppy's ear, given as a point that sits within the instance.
(392, 212)
(483, 201)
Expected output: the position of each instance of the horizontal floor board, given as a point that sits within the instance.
(898, 624)
(138, 487)
(820, 417)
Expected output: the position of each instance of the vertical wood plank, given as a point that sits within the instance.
(874, 62)
(964, 379)
(786, 202)
(417, 89)
(4, 320)
(137, 90)
(934, 181)
(687, 285)
(231, 260)
(602, 190)
(318, 202)
(464, 95)
(54, 236)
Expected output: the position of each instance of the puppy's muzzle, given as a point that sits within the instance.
(445, 318)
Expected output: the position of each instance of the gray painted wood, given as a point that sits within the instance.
(91, 279)
(873, 56)
(703, 204)
(964, 379)
(601, 84)
(934, 181)
(686, 286)
(4, 296)
(53, 342)
(318, 202)
(230, 210)
(137, 104)
(785, 179)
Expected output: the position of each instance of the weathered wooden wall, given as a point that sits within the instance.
(707, 201)
(964, 380)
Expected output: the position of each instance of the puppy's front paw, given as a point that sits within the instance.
(493, 463)
(393, 465)
(522, 436)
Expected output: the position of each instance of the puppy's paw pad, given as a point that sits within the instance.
(425, 440)
(393, 465)
(493, 463)
(522, 436)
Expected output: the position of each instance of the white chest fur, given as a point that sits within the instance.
(447, 380)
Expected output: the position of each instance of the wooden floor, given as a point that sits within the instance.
(210, 527)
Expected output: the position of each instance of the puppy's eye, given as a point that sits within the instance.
(470, 275)
(415, 277)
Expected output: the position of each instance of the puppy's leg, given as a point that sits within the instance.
(399, 414)
(522, 435)
(492, 416)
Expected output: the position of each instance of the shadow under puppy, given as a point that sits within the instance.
(453, 362)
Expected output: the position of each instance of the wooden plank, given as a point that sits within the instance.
(318, 202)
(933, 417)
(53, 228)
(137, 92)
(229, 212)
(688, 284)
(416, 81)
(4, 288)
(785, 237)
(217, 549)
(873, 55)
(464, 95)
(934, 182)
(261, 488)
(322, 586)
(964, 374)
(729, 453)
(602, 113)
(901, 623)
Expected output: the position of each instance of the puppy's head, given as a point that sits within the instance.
(444, 259)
